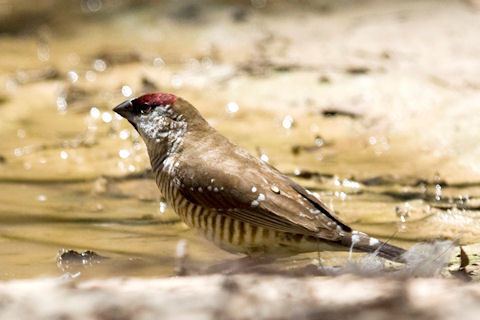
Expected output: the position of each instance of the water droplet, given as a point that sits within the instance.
(181, 249)
(106, 117)
(124, 153)
(438, 192)
(43, 52)
(288, 122)
(124, 134)
(255, 203)
(158, 62)
(99, 65)
(264, 157)
(42, 198)
(72, 76)
(64, 155)
(254, 189)
(163, 207)
(372, 140)
(92, 5)
(90, 76)
(126, 91)
(261, 197)
(21, 133)
(18, 152)
(95, 113)
(319, 141)
(341, 195)
(403, 213)
(176, 81)
(232, 107)
(61, 104)
(350, 184)
(275, 189)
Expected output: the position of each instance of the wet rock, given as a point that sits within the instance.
(68, 259)
(357, 70)
(330, 113)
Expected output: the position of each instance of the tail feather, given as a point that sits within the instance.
(358, 241)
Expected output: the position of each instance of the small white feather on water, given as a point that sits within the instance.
(422, 260)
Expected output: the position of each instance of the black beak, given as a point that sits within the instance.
(124, 109)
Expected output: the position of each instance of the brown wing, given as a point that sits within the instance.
(253, 192)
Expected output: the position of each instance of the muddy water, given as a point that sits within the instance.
(391, 150)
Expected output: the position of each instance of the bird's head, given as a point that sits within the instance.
(161, 119)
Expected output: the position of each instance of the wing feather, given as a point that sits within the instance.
(246, 193)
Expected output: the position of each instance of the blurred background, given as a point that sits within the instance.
(374, 105)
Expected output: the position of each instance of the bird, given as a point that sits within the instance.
(239, 202)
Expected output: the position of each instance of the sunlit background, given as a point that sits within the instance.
(374, 105)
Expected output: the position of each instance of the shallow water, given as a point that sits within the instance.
(400, 162)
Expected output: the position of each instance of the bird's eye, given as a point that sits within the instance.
(145, 108)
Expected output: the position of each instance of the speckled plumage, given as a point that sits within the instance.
(237, 201)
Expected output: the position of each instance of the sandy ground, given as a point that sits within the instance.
(241, 297)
